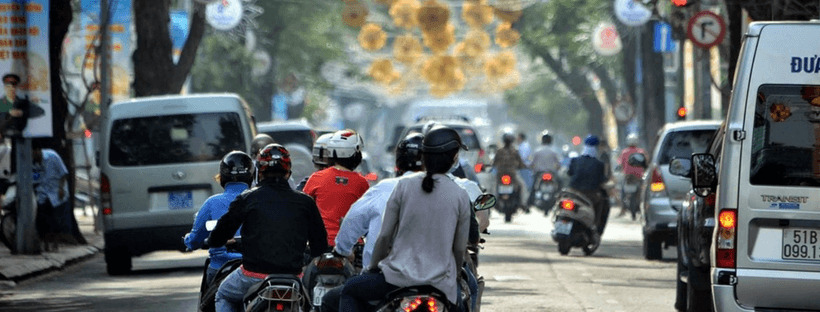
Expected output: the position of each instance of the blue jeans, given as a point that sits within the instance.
(358, 290)
(472, 282)
(232, 290)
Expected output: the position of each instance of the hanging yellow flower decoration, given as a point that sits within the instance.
(507, 16)
(505, 36)
(453, 84)
(381, 70)
(403, 13)
(440, 41)
(506, 61)
(438, 69)
(433, 16)
(385, 2)
(372, 37)
(477, 14)
(354, 14)
(476, 42)
(407, 48)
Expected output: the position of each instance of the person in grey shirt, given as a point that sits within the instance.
(427, 214)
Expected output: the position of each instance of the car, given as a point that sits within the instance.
(696, 223)
(663, 194)
(157, 158)
(765, 253)
(297, 136)
(474, 156)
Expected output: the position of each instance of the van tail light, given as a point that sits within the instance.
(726, 239)
(506, 179)
(546, 177)
(478, 167)
(105, 194)
(657, 182)
(568, 204)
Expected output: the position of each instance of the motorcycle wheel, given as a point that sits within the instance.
(8, 231)
(589, 249)
(563, 247)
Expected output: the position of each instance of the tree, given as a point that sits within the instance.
(154, 70)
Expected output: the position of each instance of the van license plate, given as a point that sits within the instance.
(180, 200)
(505, 189)
(801, 244)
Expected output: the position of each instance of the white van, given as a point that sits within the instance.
(158, 158)
(765, 254)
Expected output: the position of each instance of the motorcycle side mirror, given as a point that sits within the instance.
(704, 174)
(210, 225)
(637, 160)
(681, 167)
(484, 202)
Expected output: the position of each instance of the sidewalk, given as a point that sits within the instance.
(15, 268)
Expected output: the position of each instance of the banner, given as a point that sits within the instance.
(121, 47)
(24, 53)
(178, 28)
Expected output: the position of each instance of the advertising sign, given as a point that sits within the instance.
(605, 40)
(24, 53)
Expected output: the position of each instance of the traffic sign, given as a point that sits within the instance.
(706, 29)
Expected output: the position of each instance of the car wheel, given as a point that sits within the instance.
(118, 261)
(651, 248)
(680, 289)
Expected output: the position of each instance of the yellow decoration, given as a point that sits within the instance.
(439, 69)
(403, 13)
(507, 16)
(506, 61)
(407, 48)
(477, 14)
(372, 37)
(433, 16)
(385, 2)
(505, 36)
(381, 70)
(476, 43)
(440, 41)
(354, 14)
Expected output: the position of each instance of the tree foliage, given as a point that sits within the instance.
(546, 100)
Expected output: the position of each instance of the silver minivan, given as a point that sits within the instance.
(766, 249)
(158, 157)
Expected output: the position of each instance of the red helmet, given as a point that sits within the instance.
(273, 158)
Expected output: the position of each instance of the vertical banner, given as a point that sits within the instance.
(120, 31)
(24, 56)
(178, 28)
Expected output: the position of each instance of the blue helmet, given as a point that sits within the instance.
(592, 140)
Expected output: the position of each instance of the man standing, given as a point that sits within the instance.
(54, 219)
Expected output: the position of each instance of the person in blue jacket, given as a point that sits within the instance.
(235, 175)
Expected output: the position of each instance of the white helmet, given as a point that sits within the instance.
(344, 144)
(320, 148)
(632, 139)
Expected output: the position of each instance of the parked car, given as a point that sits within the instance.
(663, 194)
(696, 223)
(297, 137)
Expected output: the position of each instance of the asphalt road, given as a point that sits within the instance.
(520, 263)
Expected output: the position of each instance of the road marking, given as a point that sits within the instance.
(509, 278)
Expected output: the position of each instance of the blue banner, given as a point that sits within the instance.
(120, 32)
(179, 31)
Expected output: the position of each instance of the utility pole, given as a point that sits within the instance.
(105, 87)
(26, 240)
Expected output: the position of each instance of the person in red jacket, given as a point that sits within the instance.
(337, 187)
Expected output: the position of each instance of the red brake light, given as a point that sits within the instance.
(725, 239)
(371, 177)
(330, 263)
(546, 177)
(280, 306)
(478, 167)
(657, 181)
(105, 194)
(506, 179)
(568, 204)
(87, 133)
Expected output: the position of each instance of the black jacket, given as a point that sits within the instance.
(277, 223)
(586, 173)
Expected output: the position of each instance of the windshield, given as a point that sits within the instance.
(681, 144)
(786, 137)
(181, 138)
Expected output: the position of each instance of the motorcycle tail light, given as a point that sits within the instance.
(657, 182)
(280, 306)
(478, 167)
(567, 204)
(506, 179)
(725, 239)
(371, 177)
(330, 262)
(546, 177)
(421, 303)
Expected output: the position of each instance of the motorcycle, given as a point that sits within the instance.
(207, 291)
(630, 198)
(544, 190)
(508, 196)
(330, 271)
(574, 224)
(8, 214)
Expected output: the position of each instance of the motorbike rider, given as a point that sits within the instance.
(525, 151)
(320, 160)
(630, 172)
(235, 175)
(426, 214)
(277, 224)
(586, 173)
(337, 187)
(508, 161)
(545, 159)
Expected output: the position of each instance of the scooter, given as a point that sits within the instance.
(508, 196)
(330, 271)
(544, 189)
(575, 223)
(207, 291)
(629, 189)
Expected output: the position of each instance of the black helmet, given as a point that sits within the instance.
(408, 152)
(441, 139)
(273, 158)
(546, 137)
(259, 141)
(508, 138)
(236, 166)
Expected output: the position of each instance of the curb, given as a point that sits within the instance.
(28, 266)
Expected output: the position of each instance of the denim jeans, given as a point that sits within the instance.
(232, 290)
(358, 290)
(472, 282)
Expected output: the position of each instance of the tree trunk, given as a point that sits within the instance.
(154, 70)
(653, 85)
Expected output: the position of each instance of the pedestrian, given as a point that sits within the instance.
(55, 222)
